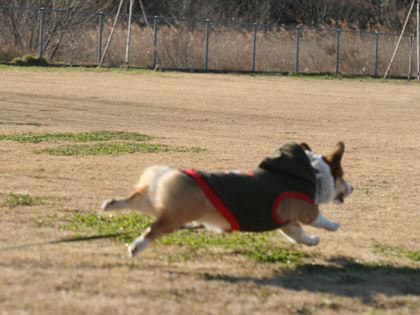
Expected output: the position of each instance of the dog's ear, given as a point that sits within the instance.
(305, 146)
(334, 160)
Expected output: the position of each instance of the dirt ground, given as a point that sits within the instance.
(239, 119)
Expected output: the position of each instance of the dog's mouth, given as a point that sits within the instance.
(340, 198)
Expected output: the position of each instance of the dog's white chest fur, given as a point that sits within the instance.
(324, 180)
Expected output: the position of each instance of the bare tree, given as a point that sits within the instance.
(21, 27)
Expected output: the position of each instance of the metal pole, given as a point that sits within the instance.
(410, 57)
(101, 27)
(41, 36)
(127, 51)
(207, 44)
(399, 39)
(297, 48)
(337, 59)
(154, 41)
(376, 53)
(418, 42)
(151, 35)
(110, 35)
(254, 47)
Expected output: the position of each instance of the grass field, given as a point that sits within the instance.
(70, 139)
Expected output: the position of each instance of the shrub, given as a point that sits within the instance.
(8, 53)
(29, 60)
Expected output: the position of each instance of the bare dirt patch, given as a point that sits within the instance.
(363, 267)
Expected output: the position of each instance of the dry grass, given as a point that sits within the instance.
(183, 45)
(364, 267)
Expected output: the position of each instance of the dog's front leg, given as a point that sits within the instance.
(324, 223)
(161, 226)
(139, 243)
(295, 233)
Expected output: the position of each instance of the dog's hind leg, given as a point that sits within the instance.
(295, 233)
(142, 199)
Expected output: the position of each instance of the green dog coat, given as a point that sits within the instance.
(249, 200)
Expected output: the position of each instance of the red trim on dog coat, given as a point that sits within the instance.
(214, 199)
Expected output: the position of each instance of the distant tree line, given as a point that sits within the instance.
(371, 15)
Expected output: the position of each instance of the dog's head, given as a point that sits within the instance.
(342, 188)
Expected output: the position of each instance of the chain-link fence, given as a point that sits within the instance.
(78, 38)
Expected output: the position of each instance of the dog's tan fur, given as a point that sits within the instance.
(176, 200)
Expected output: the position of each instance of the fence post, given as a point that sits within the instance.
(101, 25)
(297, 48)
(127, 51)
(41, 36)
(410, 57)
(418, 39)
(207, 44)
(337, 59)
(376, 53)
(254, 47)
(154, 41)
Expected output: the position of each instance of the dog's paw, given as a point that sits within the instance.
(137, 246)
(132, 250)
(107, 204)
(312, 240)
(332, 226)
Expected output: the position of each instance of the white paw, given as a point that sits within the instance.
(132, 250)
(332, 226)
(107, 204)
(313, 240)
(137, 246)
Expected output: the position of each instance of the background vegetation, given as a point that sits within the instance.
(384, 15)
(73, 37)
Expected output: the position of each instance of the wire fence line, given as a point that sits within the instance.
(77, 38)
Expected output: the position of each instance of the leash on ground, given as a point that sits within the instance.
(82, 238)
(67, 240)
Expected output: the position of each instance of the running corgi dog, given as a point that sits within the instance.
(283, 192)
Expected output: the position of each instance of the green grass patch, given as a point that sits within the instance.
(397, 251)
(77, 137)
(266, 254)
(115, 148)
(107, 142)
(60, 67)
(105, 148)
(20, 124)
(91, 222)
(262, 247)
(12, 200)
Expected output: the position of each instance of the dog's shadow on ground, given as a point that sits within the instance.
(341, 276)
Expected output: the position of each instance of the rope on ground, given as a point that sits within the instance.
(66, 240)
(84, 238)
